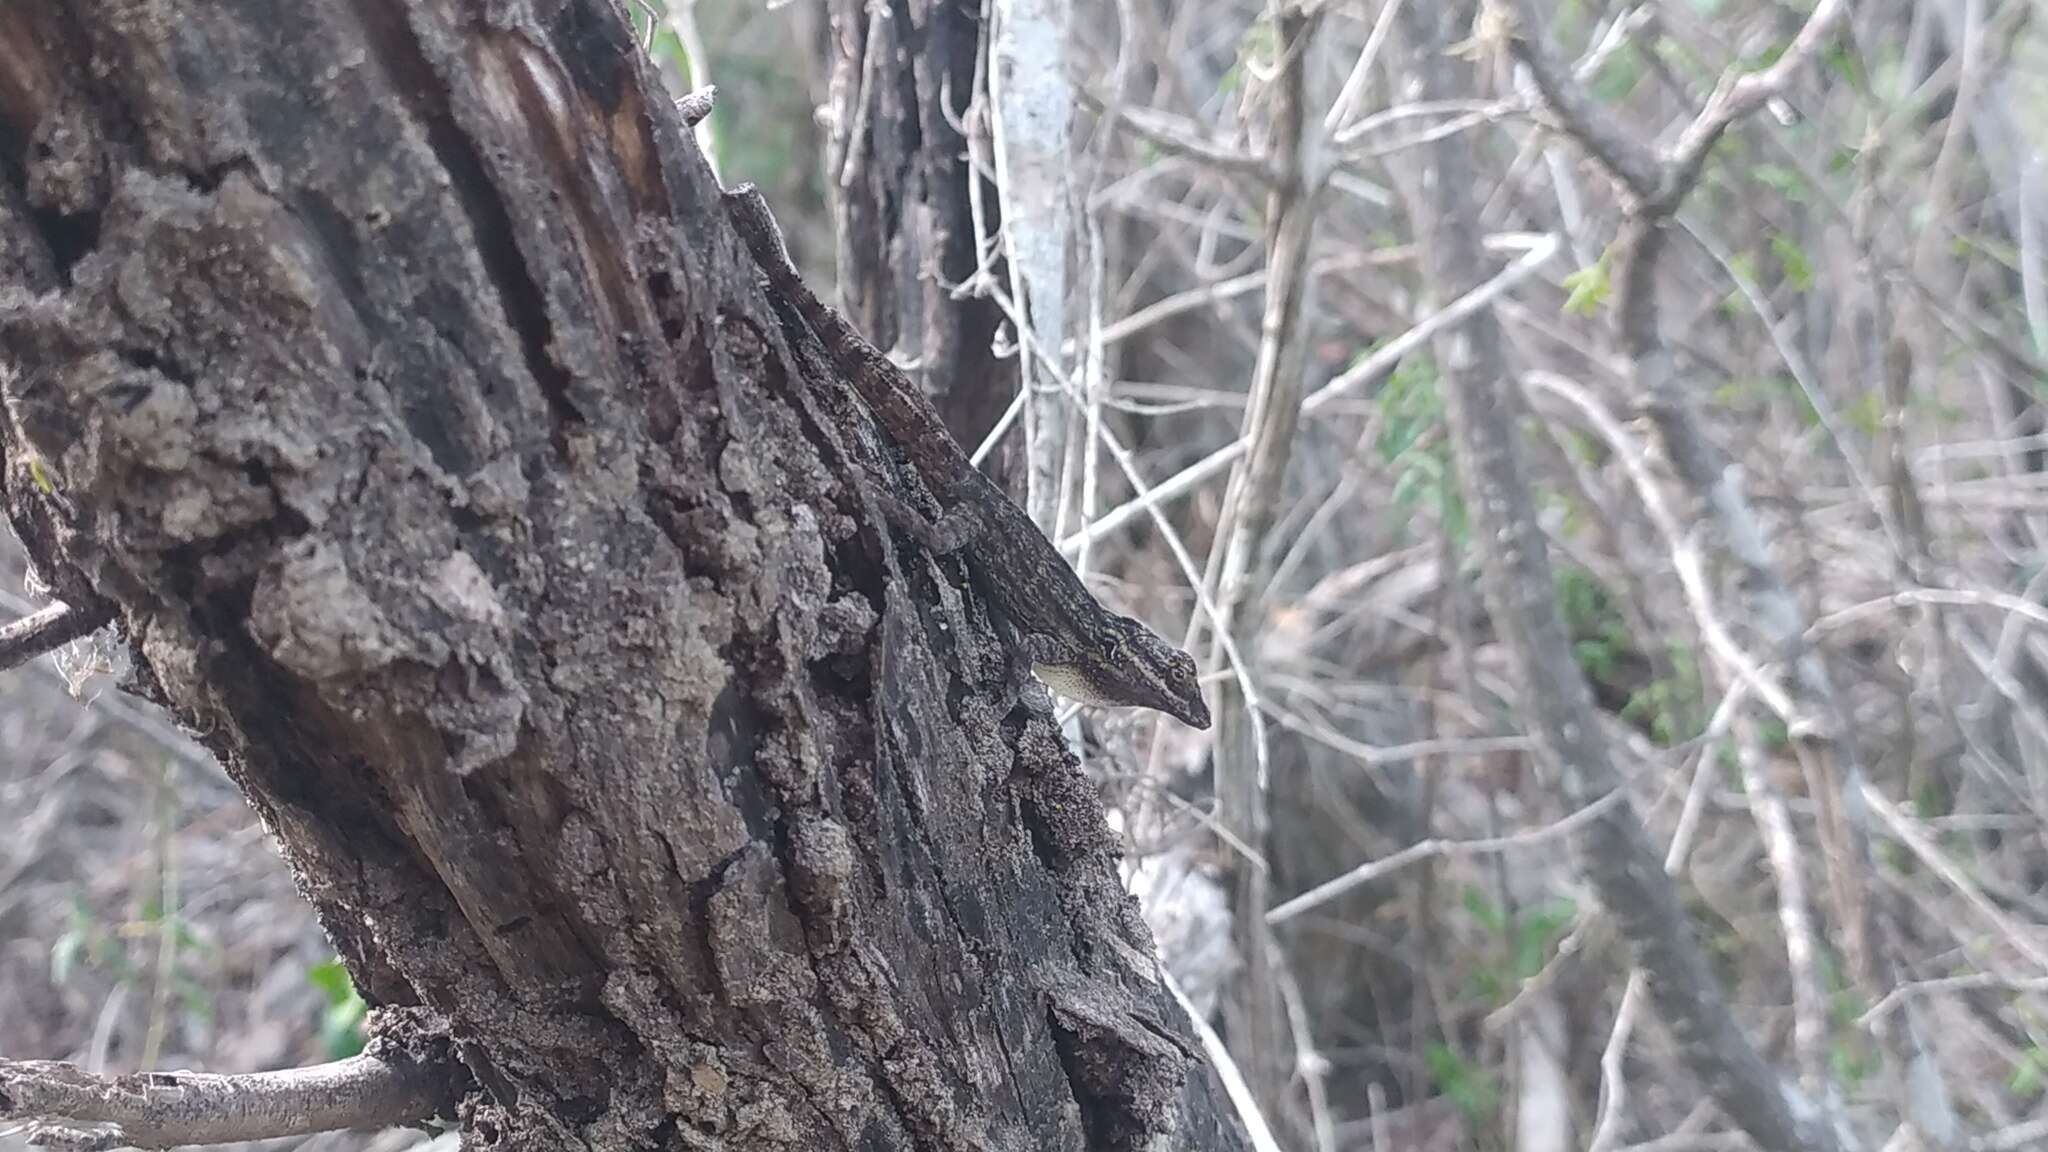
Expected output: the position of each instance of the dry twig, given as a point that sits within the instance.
(48, 630)
(71, 1108)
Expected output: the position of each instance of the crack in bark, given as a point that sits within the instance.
(497, 248)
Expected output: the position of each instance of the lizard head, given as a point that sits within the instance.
(1133, 667)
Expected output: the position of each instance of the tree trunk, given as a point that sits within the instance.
(904, 82)
(392, 369)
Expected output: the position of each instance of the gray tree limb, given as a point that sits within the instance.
(1808, 705)
(72, 1108)
(1612, 849)
(48, 629)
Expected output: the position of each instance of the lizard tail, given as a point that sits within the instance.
(757, 226)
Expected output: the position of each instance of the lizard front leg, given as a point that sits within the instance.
(1019, 654)
(951, 532)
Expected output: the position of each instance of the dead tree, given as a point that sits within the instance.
(904, 89)
(390, 374)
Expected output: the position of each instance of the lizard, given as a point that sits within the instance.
(1075, 646)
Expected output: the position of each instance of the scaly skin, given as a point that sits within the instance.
(1080, 649)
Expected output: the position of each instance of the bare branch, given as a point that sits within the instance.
(1436, 847)
(1658, 183)
(1382, 361)
(1236, 579)
(1736, 96)
(76, 1109)
(2021, 937)
(1030, 109)
(1520, 591)
(49, 629)
(1182, 137)
(1781, 848)
(1259, 1133)
(1715, 483)
(1687, 558)
(1621, 154)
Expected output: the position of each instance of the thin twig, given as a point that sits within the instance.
(1967, 982)
(1240, 1094)
(1917, 841)
(1382, 361)
(1182, 137)
(1366, 873)
(1683, 546)
(48, 630)
(1802, 954)
(682, 20)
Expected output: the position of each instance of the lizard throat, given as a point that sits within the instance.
(1076, 683)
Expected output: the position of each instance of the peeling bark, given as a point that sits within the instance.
(392, 370)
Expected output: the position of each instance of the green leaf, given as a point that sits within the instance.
(1732, 391)
(1741, 265)
(1537, 934)
(196, 997)
(1465, 1086)
(341, 1029)
(40, 476)
(1802, 404)
(1766, 58)
(1852, 1062)
(1588, 288)
(1457, 522)
(2027, 1074)
(1968, 244)
(332, 979)
(1865, 413)
(1258, 48)
(64, 956)
(1410, 407)
(1405, 486)
(1618, 76)
(1784, 180)
(1596, 658)
(1846, 65)
(1484, 912)
(341, 1026)
(1793, 258)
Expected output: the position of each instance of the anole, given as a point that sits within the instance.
(1078, 648)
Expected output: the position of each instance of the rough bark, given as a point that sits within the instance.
(392, 370)
(905, 79)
